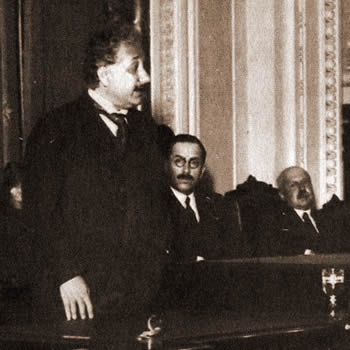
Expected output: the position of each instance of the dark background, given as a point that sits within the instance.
(346, 150)
(43, 47)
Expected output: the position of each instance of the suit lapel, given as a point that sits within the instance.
(183, 242)
(299, 233)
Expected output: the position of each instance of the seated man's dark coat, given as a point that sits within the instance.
(283, 233)
(96, 213)
(15, 249)
(205, 238)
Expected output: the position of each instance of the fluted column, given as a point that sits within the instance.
(257, 80)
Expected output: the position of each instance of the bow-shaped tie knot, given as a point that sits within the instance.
(122, 133)
(117, 118)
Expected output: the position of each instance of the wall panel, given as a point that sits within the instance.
(268, 77)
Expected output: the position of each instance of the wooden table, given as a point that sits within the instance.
(222, 330)
(230, 304)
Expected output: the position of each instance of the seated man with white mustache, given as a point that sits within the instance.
(297, 227)
(194, 215)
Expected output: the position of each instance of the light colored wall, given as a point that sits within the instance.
(257, 80)
(216, 89)
(255, 91)
(285, 95)
(253, 43)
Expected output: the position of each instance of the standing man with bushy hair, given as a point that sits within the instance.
(92, 178)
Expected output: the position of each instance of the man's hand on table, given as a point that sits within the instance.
(75, 294)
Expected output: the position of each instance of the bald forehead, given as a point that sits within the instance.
(292, 174)
(296, 173)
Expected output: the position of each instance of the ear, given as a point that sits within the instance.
(103, 73)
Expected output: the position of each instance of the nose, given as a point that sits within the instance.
(186, 168)
(144, 77)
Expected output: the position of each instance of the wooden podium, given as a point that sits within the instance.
(265, 303)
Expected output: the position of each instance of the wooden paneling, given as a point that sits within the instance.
(10, 138)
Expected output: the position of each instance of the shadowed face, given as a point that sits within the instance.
(185, 166)
(297, 189)
(16, 197)
(123, 83)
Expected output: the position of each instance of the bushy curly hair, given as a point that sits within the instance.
(103, 47)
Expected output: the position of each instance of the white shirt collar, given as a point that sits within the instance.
(105, 104)
(110, 125)
(181, 197)
(109, 108)
(301, 212)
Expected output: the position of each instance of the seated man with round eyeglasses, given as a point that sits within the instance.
(194, 212)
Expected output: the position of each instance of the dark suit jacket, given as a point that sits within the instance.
(283, 233)
(15, 249)
(96, 213)
(183, 285)
(206, 239)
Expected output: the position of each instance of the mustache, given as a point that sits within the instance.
(141, 88)
(185, 177)
(303, 194)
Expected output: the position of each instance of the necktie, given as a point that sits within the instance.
(190, 214)
(312, 237)
(120, 121)
(122, 134)
(308, 223)
(188, 242)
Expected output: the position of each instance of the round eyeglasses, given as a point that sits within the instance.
(193, 163)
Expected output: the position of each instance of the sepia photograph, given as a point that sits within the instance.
(175, 174)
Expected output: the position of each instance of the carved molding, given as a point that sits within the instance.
(174, 64)
(175, 90)
(167, 62)
(301, 83)
(332, 99)
(193, 68)
(163, 60)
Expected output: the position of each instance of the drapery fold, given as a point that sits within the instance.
(11, 133)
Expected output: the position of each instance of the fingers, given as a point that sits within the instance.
(81, 305)
(73, 308)
(66, 305)
(89, 307)
(70, 307)
(75, 298)
(85, 304)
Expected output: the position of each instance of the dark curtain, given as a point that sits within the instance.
(10, 126)
(42, 52)
(55, 35)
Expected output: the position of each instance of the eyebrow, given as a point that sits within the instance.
(192, 158)
(133, 58)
